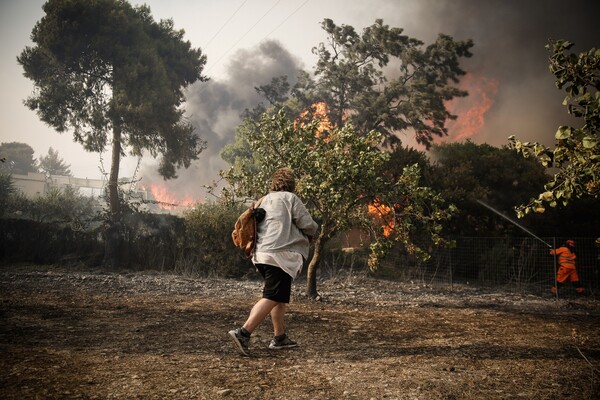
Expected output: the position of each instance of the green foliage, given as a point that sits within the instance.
(52, 164)
(387, 81)
(7, 190)
(467, 172)
(63, 205)
(17, 205)
(350, 78)
(577, 150)
(340, 173)
(415, 211)
(207, 245)
(111, 74)
(103, 65)
(404, 156)
(17, 158)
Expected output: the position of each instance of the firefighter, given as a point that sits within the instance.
(566, 267)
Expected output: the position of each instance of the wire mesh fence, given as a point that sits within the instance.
(522, 264)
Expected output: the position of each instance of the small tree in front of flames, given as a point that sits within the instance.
(341, 177)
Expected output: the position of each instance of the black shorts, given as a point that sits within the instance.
(278, 284)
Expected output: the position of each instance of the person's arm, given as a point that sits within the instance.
(302, 218)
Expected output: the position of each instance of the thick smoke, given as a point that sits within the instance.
(509, 38)
(215, 108)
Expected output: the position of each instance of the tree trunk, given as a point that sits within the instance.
(311, 277)
(112, 254)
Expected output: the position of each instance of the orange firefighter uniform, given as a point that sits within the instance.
(567, 270)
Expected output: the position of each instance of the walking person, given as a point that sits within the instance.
(281, 248)
(567, 270)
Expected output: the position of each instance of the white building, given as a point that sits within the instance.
(36, 184)
(32, 185)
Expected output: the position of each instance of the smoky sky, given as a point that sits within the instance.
(215, 109)
(509, 49)
(509, 46)
(510, 35)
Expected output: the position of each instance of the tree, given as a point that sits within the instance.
(7, 189)
(17, 158)
(352, 78)
(349, 83)
(387, 81)
(577, 150)
(404, 156)
(112, 74)
(52, 164)
(465, 173)
(340, 177)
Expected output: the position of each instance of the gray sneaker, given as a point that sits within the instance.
(282, 343)
(241, 341)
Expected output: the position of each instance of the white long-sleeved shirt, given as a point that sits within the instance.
(284, 230)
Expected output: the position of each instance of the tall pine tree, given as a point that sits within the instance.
(112, 75)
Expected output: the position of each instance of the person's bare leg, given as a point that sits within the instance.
(277, 315)
(259, 312)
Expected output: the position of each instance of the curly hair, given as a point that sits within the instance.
(283, 180)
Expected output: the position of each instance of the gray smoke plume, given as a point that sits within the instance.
(215, 108)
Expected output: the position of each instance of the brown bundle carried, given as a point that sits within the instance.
(244, 231)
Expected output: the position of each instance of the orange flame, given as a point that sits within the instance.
(471, 109)
(167, 200)
(382, 213)
(319, 112)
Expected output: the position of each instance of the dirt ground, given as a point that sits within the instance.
(76, 333)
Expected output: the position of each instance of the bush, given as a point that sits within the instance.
(207, 248)
(51, 228)
(62, 206)
(31, 241)
(7, 189)
(151, 241)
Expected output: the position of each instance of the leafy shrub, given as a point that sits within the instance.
(151, 241)
(63, 206)
(6, 191)
(24, 240)
(208, 245)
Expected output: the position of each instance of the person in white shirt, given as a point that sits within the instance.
(281, 247)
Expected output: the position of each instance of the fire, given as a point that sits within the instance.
(471, 109)
(167, 200)
(384, 214)
(317, 111)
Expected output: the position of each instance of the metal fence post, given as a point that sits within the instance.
(555, 271)
(451, 274)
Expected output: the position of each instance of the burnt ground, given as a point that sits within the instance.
(76, 333)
